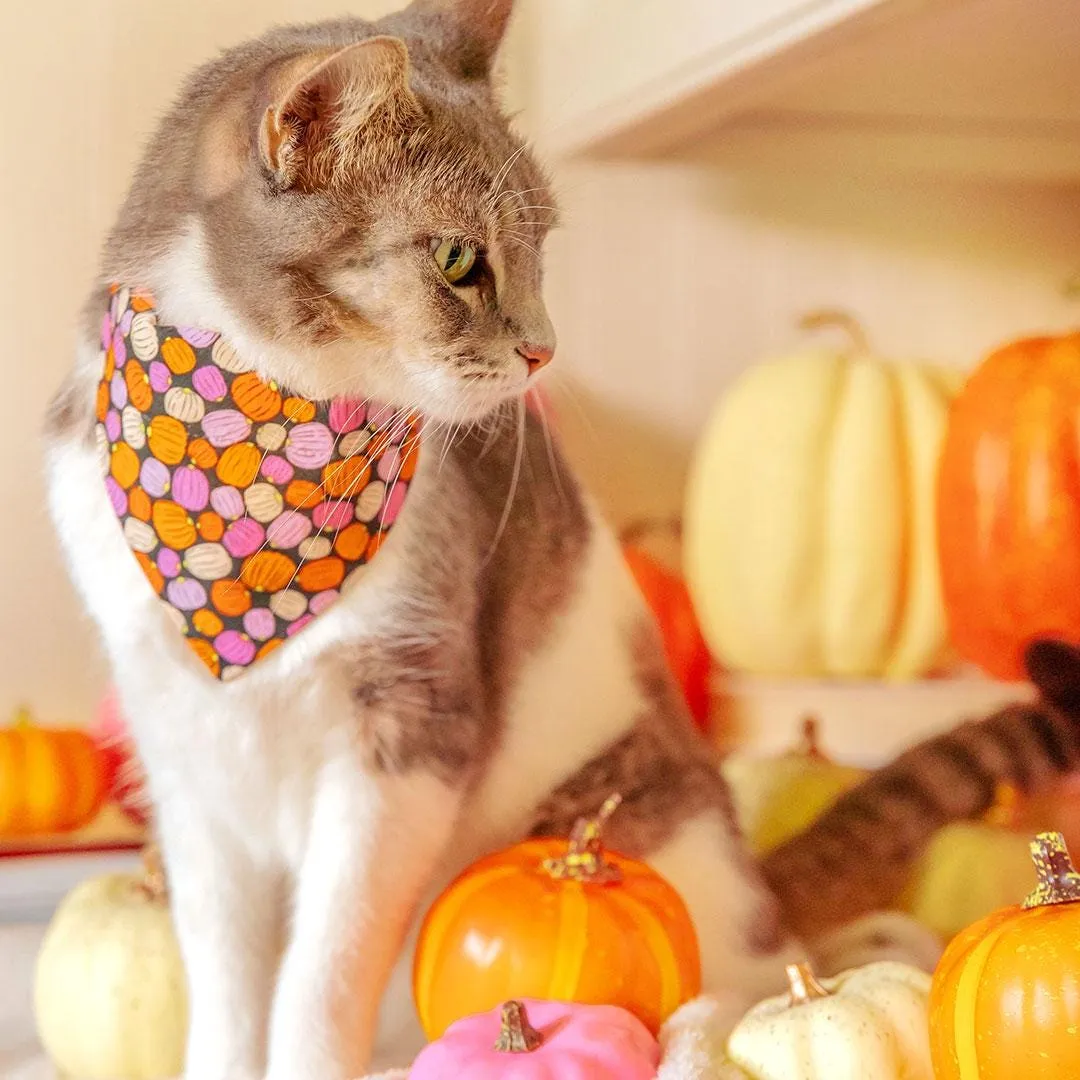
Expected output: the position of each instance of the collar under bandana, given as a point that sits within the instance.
(247, 509)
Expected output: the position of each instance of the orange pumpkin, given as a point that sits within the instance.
(267, 571)
(167, 438)
(173, 524)
(51, 780)
(239, 465)
(231, 598)
(321, 574)
(1005, 1002)
(257, 400)
(178, 355)
(137, 382)
(1009, 504)
(298, 410)
(559, 922)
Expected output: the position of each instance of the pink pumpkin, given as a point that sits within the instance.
(568, 1042)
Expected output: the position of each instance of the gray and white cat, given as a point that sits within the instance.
(495, 673)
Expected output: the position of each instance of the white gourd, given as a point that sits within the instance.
(110, 994)
(867, 1024)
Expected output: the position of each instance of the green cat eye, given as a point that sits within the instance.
(454, 258)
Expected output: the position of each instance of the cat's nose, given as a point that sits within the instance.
(536, 356)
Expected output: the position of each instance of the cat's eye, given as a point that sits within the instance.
(454, 258)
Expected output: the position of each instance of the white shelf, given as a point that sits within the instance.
(980, 87)
(32, 886)
(862, 723)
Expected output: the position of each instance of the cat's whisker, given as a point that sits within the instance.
(556, 472)
(504, 172)
(515, 477)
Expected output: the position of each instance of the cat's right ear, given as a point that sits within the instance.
(320, 104)
(1054, 667)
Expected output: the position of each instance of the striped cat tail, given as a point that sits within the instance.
(857, 857)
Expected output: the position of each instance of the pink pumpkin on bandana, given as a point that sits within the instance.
(536, 1040)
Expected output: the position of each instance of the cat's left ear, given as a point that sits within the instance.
(322, 99)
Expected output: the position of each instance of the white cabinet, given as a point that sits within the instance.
(981, 87)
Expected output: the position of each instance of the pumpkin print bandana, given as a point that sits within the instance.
(247, 509)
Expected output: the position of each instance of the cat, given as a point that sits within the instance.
(343, 209)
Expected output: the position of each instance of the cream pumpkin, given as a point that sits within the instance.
(810, 518)
(110, 993)
(866, 1024)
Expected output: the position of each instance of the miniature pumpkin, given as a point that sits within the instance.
(779, 797)
(557, 921)
(810, 518)
(110, 993)
(569, 1042)
(1009, 507)
(1005, 1004)
(51, 779)
(968, 870)
(865, 1024)
(669, 599)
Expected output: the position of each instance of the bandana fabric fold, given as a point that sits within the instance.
(249, 510)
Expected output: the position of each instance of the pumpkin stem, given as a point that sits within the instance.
(804, 985)
(831, 317)
(516, 1034)
(811, 738)
(153, 885)
(584, 861)
(1059, 883)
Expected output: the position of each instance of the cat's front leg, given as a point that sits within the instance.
(375, 844)
(229, 918)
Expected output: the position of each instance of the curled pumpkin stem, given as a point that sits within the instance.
(804, 985)
(1059, 883)
(516, 1034)
(833, 318)
(584, 860)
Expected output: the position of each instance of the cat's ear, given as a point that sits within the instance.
(478, 28)
(321, 100)
(1054, 667)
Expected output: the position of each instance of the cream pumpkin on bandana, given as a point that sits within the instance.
(247, 509)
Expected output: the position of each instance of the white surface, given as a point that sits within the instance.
(19, 1051)
(994, 83)
(30, 888)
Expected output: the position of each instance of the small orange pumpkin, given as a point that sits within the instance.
(167, 438)
(321, 574)
(239, 465)
(173, 524)
(342, 479)
(352, 542)
(303, 494)
(202, 454)
(267, 571)
(257, 400)
(51, 780)
(298, 410)
(560, 922)
(1005, 1003)
(124, 465)
(231, 598)
(138, 385)
(178, 355)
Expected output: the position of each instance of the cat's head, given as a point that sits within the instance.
(349, 203)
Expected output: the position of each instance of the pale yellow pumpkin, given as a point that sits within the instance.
(810, 537)
(969, 870)
(110, 994)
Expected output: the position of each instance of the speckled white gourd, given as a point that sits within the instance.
(110, 993)
(872, 1026)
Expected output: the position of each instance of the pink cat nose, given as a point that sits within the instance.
(536, 356)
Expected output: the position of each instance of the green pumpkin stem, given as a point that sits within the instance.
(584, 860)
(804, 985)
(516, 1034)
(1059, 883)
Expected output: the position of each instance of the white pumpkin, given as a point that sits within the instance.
(810, 544)
(866, 1024)
(110, 994)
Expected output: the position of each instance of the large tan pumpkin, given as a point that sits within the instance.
(110, 994)
(810, 518)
